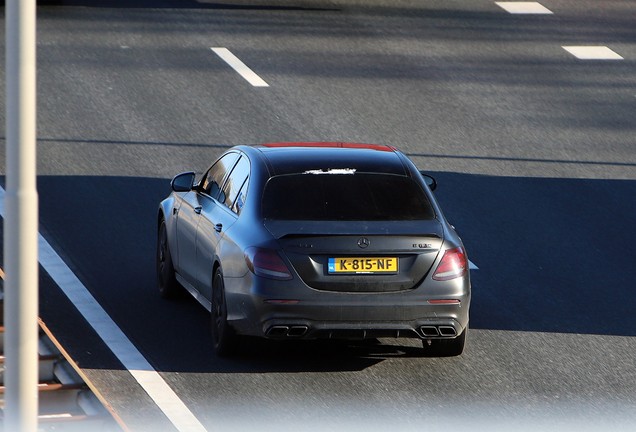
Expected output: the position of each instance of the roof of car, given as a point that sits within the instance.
(290, 158)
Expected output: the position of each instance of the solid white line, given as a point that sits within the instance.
(472, 265)
(240, 67)
(156, 387)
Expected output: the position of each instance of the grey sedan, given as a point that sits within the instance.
(315, 240)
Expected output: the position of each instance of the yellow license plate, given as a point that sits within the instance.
(363, 265)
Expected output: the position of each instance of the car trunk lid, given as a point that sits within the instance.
(360, 257)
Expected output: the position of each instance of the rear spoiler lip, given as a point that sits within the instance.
(285, 228)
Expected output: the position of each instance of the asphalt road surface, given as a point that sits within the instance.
(534, 151)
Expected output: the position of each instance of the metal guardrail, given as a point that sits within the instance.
(67, 400)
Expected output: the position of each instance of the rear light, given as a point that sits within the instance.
(444, 301)
(266, 263)
(454, 264)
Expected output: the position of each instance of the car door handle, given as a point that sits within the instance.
(197, 209)
(218, 227)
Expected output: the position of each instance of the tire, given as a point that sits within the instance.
(446, 347)
(224, 338)
(167, 283)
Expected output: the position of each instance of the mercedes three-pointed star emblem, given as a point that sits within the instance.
(363, 242)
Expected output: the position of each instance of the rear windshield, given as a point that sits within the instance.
(345, 197)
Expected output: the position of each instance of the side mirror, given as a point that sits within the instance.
(430, 181)
(183, 182)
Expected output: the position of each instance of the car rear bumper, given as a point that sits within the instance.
(309, 314)
(303, 329)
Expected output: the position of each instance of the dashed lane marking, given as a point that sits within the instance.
(524, 8)
(592, 53)
(240, 67)
(472, 266)
(149, 379)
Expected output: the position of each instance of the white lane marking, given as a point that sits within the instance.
(592, 53)
(240, 67)
(472, 266)
(524, 7)
(156, 387)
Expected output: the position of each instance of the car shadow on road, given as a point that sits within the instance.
(259, 355)
(554, 255)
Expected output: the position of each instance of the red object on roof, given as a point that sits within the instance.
(333, 145)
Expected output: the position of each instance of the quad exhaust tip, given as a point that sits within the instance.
(429, 331)
(447, 331)
(437, 331)
(297, 331)
(287, 331)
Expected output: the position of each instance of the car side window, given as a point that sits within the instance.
(235, 182)
(240, 199)
(213, 179)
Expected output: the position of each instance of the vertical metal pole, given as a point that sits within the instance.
(21, 221)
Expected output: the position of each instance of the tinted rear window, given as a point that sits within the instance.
(345, 197)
